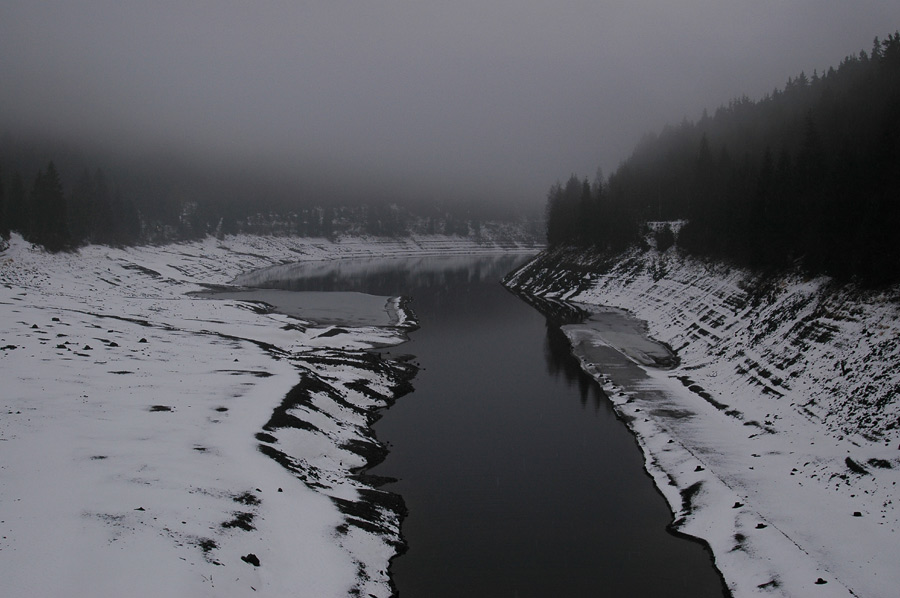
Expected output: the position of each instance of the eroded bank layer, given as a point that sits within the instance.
(159, 443)
(774, 436)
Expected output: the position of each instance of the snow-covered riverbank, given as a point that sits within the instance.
(775, 438)
(155, 443)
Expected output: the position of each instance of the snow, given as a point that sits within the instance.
(775, 436)
(151, 440)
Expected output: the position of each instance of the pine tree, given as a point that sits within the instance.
(825, 202)
(586, 217)
(103, 230)
(48, 214)
(81, 220)
(17, 204)
(554, 216)
(4, 214)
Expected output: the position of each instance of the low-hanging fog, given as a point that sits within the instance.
(475, 100)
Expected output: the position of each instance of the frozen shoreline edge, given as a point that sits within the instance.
(211, 501)
(748, 510)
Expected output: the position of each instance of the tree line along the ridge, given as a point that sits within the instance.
(809, 175)
(96, 211)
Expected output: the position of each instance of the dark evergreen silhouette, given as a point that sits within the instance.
(48, 217)
(664, 237)
(16, 203)
(127, 209)
(4, 211)
(808, 175)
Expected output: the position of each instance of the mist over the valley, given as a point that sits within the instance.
(389, 101)
(532, 298)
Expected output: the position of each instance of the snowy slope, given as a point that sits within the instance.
(775, 438)
(155, 443)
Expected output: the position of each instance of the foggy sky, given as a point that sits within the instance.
(440, 100)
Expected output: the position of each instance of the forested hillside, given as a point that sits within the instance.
(58, 198)
(808, 175)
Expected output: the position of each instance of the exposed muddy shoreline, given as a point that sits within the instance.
(577, 321)
(149, 407)
(492, 408)
(739, 435)
(369, 384)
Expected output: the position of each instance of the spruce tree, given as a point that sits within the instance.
(17, 203)
(4, 215)
(49, 218)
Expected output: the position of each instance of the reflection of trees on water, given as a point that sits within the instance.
(561, 362)
(558, 350)
(452, 279)
(387, 276)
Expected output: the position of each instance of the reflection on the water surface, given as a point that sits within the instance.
(561, 362)
(517, 482)
(384, 276)
(558, 350)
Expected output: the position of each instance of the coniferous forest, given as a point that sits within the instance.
(67, 203)
(807, 176)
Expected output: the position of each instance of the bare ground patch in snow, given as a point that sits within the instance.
(158, 443)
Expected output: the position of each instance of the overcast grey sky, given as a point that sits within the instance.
(442, 99)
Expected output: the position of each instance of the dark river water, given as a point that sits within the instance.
(519, 479)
